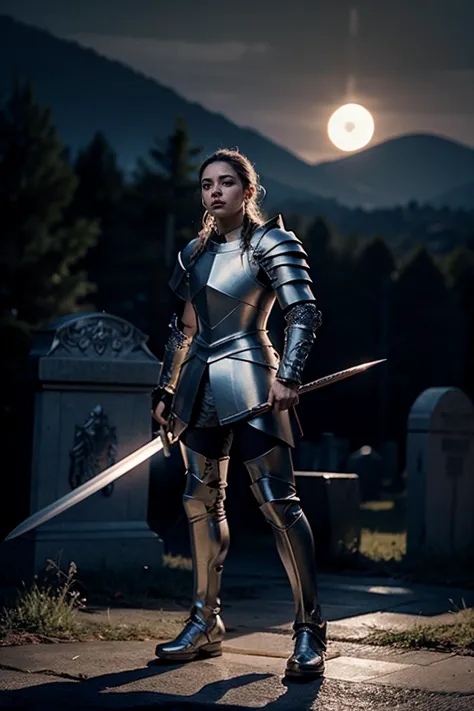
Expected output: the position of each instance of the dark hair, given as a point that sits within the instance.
(249, 178)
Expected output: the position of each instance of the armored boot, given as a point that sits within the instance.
(204, 504)
(274, 488)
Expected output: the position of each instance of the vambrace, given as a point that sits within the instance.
(176, 351)
(302, 321)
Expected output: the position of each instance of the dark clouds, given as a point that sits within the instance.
(281, 69)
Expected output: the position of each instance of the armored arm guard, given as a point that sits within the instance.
(176, 351)
(178, 343)
(302, 320)
(283, 258)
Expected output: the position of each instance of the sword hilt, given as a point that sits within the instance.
(166, 443)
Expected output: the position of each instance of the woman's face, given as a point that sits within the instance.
(222, 191)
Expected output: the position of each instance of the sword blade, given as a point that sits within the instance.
(90, 487)
(340, 375)
(264, 407)
(148, 450)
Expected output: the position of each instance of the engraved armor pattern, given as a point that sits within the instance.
(302, 322)
(305, 314)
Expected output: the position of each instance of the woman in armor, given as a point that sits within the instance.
(218, 365)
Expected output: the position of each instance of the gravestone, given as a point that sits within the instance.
(331, 503)
(329, 454)
(91, 375)
(440, 471)
(368, 464)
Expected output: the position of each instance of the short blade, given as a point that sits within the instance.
(88, 488)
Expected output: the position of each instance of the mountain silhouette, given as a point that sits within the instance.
(460, 198)
(88, 92)
(412, 167)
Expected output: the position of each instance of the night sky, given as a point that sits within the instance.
(283, 71)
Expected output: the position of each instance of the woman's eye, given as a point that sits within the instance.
(228, 183)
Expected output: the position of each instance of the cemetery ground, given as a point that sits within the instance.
(396, 641)
(101, 672)
(68, 606)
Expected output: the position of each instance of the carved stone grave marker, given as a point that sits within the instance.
(92, 375)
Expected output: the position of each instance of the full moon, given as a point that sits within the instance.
(351, 127)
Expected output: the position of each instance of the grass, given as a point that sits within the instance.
(457, 636)
(383, 548)
(383, 535)
(45, 609)
(51, 609)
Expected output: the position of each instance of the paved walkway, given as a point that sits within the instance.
(125, 675)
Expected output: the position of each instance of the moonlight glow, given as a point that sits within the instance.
(351, 127)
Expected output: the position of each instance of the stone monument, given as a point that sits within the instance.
(440, 470)
(91, 375)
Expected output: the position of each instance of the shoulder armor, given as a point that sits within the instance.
(282, 256)
(179, 282)
(187, 251)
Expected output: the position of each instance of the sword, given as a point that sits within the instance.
(161, 442)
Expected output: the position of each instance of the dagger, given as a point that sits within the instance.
(161, 442)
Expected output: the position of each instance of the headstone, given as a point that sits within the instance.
(334, 451)
(331, 503)
(92, 375)
(440, 471)
(367, 463)
(390, 459)
(329, 454)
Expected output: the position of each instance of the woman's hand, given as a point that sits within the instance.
(157, 413)
(282, 396)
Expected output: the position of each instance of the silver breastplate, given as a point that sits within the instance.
(231, 304)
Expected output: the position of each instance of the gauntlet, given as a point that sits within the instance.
(302, 322)
(176, 351)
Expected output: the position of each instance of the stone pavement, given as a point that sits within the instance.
(354, 605)
(125, 675)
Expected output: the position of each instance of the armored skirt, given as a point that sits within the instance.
(232, 362)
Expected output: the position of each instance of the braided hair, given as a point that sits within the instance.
(253, 216)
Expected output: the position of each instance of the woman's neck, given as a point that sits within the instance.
(230, 229)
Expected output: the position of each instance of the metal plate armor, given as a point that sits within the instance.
(232, 292)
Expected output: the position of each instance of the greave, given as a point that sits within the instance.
(209, 532)
(274, 488)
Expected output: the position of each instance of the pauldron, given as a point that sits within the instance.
(302, 322)
(176, 351)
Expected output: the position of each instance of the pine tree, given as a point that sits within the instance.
(165, 183)
(374, 270)
(38, 252)
(167, 205)
(427, 335)
(459, 266)
(100, 196)
(101, 181)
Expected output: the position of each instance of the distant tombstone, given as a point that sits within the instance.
(92, 375)
(368, 464)
(440, 471)
(329, 454)
(390, 459)
(331, 503)
(334, 451)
